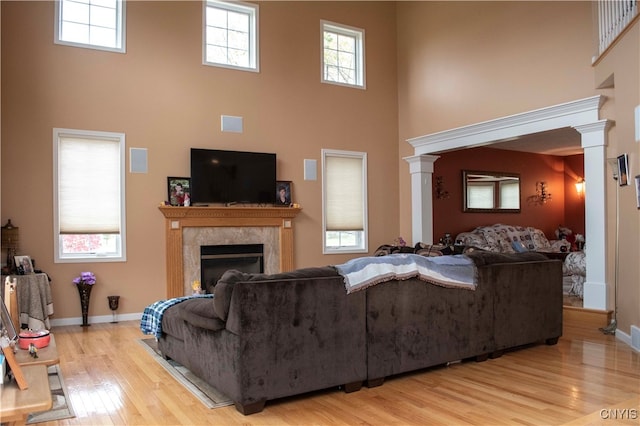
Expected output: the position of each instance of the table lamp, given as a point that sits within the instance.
(10, 240)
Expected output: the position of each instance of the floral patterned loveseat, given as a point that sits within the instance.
(574, 271)
(513, 238)
(510, 239)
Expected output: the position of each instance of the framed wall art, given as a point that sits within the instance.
(283, 193)
(623, 170)
(179, 191)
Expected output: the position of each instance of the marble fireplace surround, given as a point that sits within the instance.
(187, 228)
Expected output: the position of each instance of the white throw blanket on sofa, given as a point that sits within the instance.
(446, 271)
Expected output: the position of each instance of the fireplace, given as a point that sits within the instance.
(216, 259)
(188, 228)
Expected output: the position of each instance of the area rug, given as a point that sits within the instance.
(61, 407)
(208, 395)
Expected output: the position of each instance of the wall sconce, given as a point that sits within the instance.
(580, 187)
(542, 195)
(441, 194)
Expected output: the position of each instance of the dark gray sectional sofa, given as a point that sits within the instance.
(264, 337)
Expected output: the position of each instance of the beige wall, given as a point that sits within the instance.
(621, 66)
(163, 99)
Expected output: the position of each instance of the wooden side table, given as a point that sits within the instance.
(16, 404)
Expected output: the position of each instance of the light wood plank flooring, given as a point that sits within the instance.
(112, 380)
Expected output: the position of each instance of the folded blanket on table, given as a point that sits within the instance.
(151, 322)
(446, 271)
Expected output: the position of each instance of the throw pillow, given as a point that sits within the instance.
(519, 247)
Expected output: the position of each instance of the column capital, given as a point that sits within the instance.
(421, 163)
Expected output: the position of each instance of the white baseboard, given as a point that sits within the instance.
(625, 338)
(95, 319)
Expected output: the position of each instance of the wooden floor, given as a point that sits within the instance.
(587, 378)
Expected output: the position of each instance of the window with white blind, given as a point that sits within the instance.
(509, 194)
(480, 195)
(89, 207)
(94, 24)
(342, 54)
(231, 35)
(344, 195)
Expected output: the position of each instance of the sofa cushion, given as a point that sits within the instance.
(539, 240)
(223, 289)
(519, 234)
(200, 313)
(497, 238)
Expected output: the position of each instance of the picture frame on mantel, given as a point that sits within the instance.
(283, 193)
(179, 191)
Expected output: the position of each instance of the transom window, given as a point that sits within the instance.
(88, 186)
(342, 54)
(344, 201)
(230, 35)
(95, 24)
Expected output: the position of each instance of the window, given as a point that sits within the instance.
(480, 195)
(95, 24)
(88, 186)
(342, 55)
(344, 196)
(509, 194)
(231, 35)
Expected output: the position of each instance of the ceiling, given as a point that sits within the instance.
(561, 142)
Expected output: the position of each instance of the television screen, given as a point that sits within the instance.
(219, 176)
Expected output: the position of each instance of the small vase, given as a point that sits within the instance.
(84, 290)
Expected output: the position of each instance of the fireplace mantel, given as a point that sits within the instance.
(177, 218)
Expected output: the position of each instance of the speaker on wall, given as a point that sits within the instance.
(138, 160)
(310, 169)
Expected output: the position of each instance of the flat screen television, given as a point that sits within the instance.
(219, 176)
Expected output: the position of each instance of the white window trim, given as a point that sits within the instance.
(57, 132)
(121, 30)
(254, 39)
(361, 74)
(365, 213)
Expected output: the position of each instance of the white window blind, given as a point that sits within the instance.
(509, 195)
(344, 193)
(89, 185)
(480, 195)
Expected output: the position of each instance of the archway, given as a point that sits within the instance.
(581, 115)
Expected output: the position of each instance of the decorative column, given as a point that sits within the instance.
(421, 169)
(594, 142)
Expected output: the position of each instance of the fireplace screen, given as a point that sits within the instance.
(215, 260)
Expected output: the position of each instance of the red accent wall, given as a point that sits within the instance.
(573, 202)
(448, 212)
